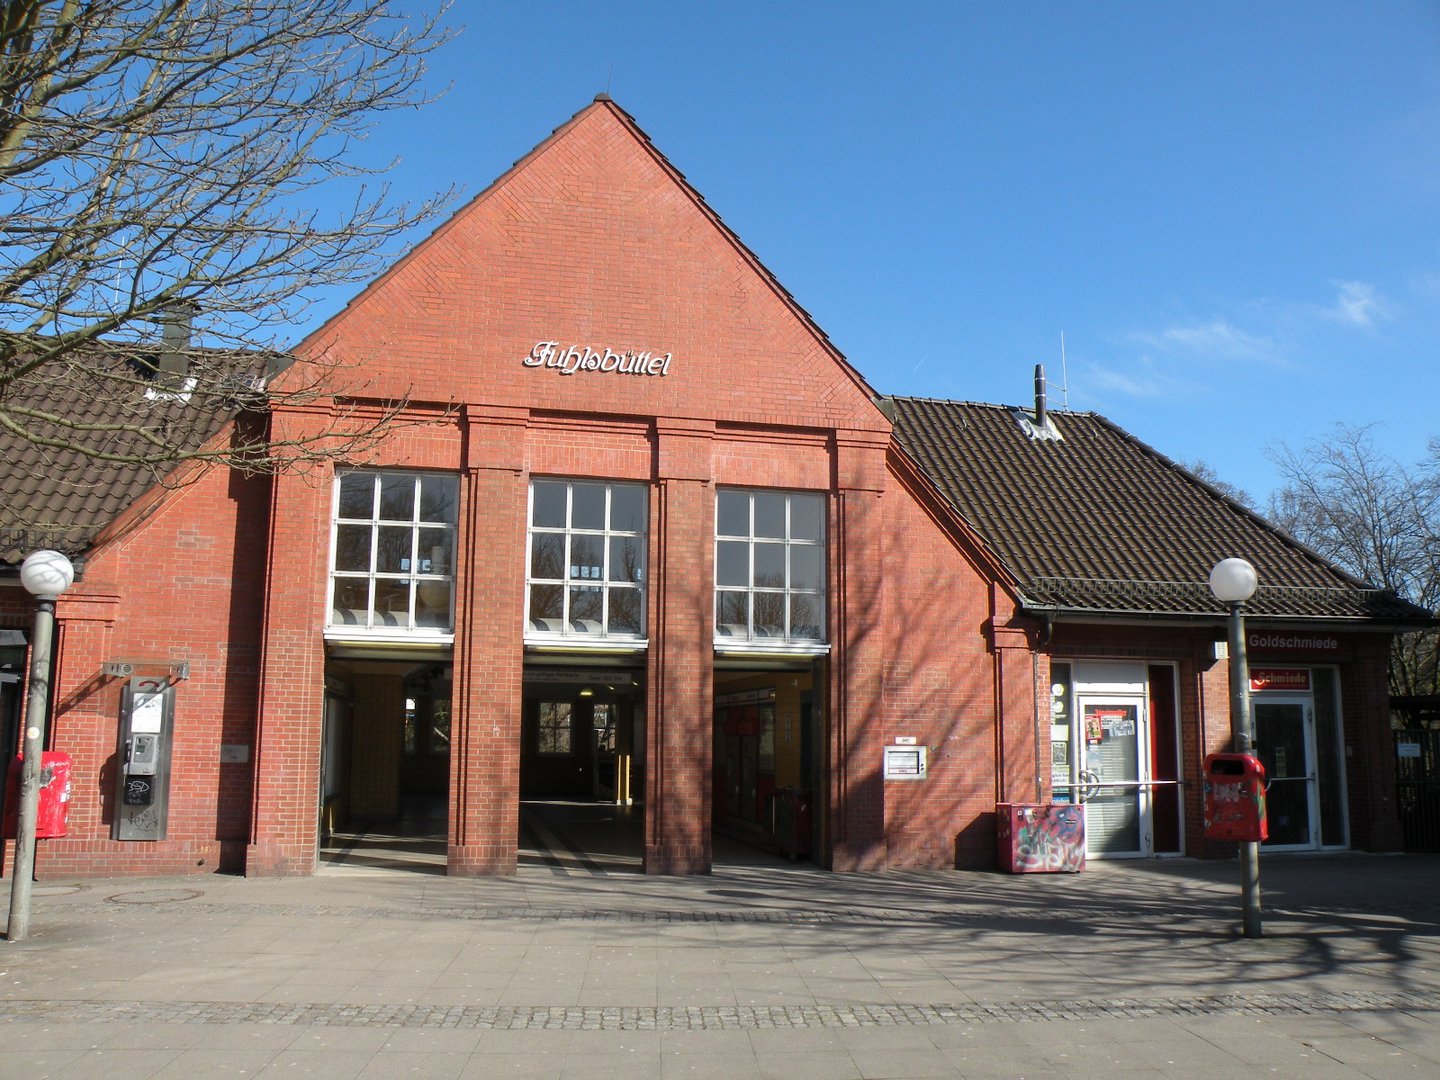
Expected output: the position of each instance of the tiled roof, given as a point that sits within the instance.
(1097, 521)
(62, 496)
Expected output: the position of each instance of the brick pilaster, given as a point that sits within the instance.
(489, 650)
(856, 812)
(285, 823)
(681, 676)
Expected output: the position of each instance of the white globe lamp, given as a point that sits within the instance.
(46, 574)
(1233, 581)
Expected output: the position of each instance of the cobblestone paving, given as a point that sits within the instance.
(1071, 914)
(705, 1018)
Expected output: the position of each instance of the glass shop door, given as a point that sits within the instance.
(1285, 745)
(1113, 775)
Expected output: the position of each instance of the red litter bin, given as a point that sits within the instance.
(54, 796)
(1235, 798)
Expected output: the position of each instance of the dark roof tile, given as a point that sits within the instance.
(1097, 521)
(62, 496)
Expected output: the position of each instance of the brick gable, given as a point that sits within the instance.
(595, 241)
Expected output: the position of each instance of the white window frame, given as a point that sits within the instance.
(737, 638)
(572, 633)
(412, 577)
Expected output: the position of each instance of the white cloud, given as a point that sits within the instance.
(1357, 304)
(1143, 380)
(1217, 339)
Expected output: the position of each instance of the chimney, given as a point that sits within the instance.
(174, 358)
(1040, 397)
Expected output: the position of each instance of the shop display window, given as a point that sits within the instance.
(769, 567)
(585, 576)
(392, 565)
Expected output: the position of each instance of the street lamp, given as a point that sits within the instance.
(1233, 581)
(45, 575)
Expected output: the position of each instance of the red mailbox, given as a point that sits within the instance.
(1235, 798)
(54, 796)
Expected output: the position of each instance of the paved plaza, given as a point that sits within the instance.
(575, 968)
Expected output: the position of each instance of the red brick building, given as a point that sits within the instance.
(646, 541)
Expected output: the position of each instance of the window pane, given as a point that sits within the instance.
(587, 506)
(397, 498)
(547, 602)
(586, 608)
(352, 600)
(732, 513)
(627, 558)
(435, 554)
(626, 616)
(627, 508)
(392, 603)
(432, 604)
(587, 558)
(375, 566)
(807, 515)
(769, 614)
(393, 553)
(352, 547)
(547, 555)
(805, 617)
(769, 514)
(732, 609)
(732, 563)
(357, 496)
(438, 497)
(549, 512)
(553, 734)
(805, 567)
(440, 728)
(770, 565)
(585, 553)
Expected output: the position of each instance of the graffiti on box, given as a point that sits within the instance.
(1050, 842)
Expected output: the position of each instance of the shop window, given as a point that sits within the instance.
(769, 567)
(555, 728)
(585, 576)
(393, 553)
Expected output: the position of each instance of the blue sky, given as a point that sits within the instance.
(1230, 210)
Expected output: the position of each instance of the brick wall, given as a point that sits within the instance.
(180, 580)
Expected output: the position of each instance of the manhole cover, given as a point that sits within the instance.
(155, 896)
(56, 890)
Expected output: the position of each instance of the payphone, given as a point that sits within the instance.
(143, 760)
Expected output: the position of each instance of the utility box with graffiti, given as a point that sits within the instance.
(1035, 838)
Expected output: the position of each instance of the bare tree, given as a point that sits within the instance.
(169, 166)
(1379, 520)
(1203, 471)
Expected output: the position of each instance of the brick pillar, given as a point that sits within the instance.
(285, 821)
(489, 646)
(1369, 743)
(681, 663)
(1017, 776)
(856, 794)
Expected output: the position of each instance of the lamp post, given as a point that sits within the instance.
(45, 575)
(1233, 581)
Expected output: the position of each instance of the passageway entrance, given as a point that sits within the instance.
(582, 773)
(766, 774)
(385, 765)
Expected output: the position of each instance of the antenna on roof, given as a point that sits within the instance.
(609, 78)
(1064, 376)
